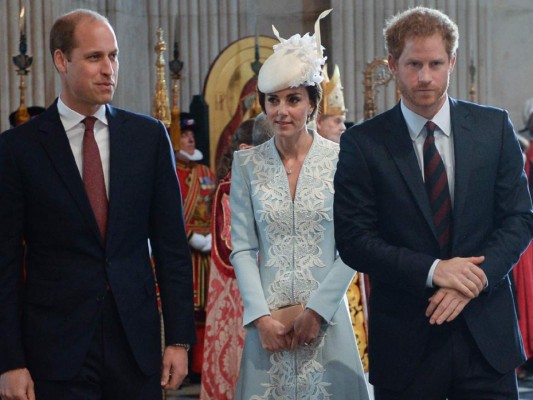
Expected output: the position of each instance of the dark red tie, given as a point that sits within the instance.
(437, 189)
(93, 176)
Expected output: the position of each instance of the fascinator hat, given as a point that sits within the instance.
(296, 61)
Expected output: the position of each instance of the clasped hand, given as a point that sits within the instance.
(459, 280)
(275, 336)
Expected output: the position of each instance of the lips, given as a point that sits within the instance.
(106, 84)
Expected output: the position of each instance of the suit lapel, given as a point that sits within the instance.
(464, 153)
(119, 151)
(400, 146)
(55, 142)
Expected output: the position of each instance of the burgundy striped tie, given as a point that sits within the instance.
(93, 176)
(437, 189)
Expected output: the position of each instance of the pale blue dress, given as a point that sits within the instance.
(295, 244)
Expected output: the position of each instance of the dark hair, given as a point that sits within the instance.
(315, 95)
(243, 134)
(62, 32)
(419, 22)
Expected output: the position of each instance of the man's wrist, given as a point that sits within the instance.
(186, 346)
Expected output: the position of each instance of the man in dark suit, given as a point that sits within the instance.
(437, 216)
(84, 322)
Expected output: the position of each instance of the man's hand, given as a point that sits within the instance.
(174, 368)
(306, 328)
(445, 305)
(16, 384)
(461, 274)
(274, 336)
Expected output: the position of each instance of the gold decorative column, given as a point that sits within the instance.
(23, 63)
(175, 65)
(161, 109)
(256, 66)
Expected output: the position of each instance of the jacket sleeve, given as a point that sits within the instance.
(245, 242)
(325, 300)
(513, 218)
(171, 249)
(11, 251)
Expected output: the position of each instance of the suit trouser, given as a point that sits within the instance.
(109, 370)
(453, 368)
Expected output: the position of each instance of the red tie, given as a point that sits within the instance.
(437, 189)
(93, 176)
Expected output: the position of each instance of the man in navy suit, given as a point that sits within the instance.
(442, 320)
(84, 321)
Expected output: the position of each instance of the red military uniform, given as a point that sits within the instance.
(197, 183)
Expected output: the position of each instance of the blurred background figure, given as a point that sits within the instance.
(224, 334)
(332, 113)
(197, 183)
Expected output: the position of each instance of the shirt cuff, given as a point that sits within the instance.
(429, 280)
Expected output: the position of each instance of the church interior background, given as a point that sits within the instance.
(493, 67)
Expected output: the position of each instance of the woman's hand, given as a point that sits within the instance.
(274, 336)
(306, 328)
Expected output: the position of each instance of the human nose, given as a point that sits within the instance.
(424, 75)
(282, 108)
(108, 66)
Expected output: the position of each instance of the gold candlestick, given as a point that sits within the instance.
(23, 63)
(175, 65)
(161, 108)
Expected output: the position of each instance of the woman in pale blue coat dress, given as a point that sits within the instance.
(283, 244)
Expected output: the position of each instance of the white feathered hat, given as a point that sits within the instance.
(296, 61)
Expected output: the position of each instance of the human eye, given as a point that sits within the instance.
(94, 56)
(294, 99)
(113, 56)
(272, 99)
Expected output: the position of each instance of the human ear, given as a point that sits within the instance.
(60, 60)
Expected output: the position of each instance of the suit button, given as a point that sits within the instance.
(100, 298)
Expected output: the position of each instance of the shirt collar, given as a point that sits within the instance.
(71, 118)
(415, 122)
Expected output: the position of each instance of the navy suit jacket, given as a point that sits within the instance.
(383, 227)
(47, 322)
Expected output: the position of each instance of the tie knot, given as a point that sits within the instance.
(431, 126)
(89, 123)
